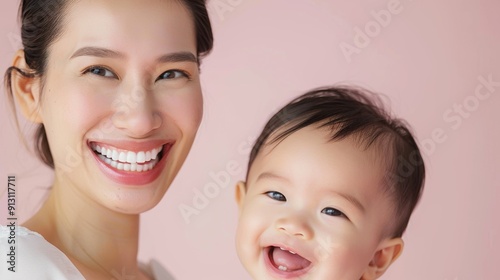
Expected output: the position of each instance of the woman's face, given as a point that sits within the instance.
(121, 100)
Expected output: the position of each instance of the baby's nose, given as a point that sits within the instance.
(295, 225)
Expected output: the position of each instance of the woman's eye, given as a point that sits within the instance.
(333, 212)
(173, 74)
(276, 196)
(100, 71)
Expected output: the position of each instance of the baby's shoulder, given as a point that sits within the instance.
(30, 256)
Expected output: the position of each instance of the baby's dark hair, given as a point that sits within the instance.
(358, 113)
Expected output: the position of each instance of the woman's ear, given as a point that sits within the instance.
(389, 250)
(26, 89)
(241, 190)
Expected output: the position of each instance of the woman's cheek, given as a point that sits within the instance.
(186, 110)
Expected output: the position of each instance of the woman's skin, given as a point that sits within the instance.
(123, 75)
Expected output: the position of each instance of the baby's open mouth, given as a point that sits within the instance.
(287, 261)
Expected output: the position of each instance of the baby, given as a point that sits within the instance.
(331, 184)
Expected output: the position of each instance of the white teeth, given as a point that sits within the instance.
(128, 160)
(141, 157)
(291, 252)
(131, 157)
(282, 268)
(122, 157)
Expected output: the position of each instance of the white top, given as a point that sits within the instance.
(35, 258)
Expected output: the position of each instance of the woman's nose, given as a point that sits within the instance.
(295, 224)
(135, 113)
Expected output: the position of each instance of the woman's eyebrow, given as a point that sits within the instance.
(178, 57)
(182, 56)
(98, 52)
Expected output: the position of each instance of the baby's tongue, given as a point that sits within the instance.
(287, 261)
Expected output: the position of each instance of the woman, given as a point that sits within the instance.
(115, 88)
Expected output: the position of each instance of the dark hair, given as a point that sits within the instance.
(41, 24)
(356, 112)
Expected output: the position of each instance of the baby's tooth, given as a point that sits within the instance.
(292, 252)
(114, 155)
(122, 157)
(282, 249)
(141, 157)
(131, 158)
(148, 156)
(282, 268)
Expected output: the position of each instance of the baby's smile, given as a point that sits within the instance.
(286, 263)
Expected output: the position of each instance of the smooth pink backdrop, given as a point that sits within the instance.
(427, 59)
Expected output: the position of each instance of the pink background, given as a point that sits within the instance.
(427, 59)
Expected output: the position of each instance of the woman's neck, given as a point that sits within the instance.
(100, 242)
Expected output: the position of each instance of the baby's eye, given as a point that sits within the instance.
(100, 71)
(172, 74)
(333, 212)
(276, 196)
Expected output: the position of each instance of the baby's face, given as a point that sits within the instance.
(312, 209)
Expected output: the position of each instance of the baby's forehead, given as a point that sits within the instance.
(311, 152)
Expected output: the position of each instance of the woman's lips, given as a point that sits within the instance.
(138, 164)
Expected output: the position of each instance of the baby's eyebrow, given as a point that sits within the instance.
(269, 175)
(352, 199)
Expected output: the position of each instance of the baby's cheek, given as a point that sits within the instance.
(341, 262)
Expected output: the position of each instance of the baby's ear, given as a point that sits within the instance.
(241, 191)
(26, 89)
(389, 250)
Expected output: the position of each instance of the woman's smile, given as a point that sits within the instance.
(132, 163)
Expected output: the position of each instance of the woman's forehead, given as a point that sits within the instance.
(129, 26)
